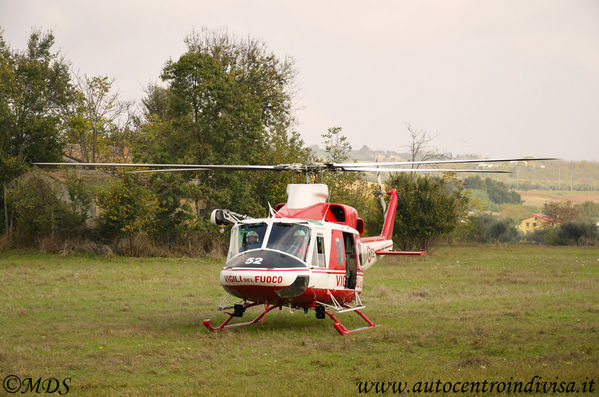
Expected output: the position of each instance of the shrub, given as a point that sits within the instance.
(42, 209)
(486, 228)
(579, 233)
(129, 210)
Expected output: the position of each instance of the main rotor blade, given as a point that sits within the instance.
(301, 168)
(180, 166)
(168, 170)
(454, 161)
(366, 169)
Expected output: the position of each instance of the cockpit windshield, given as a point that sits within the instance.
(291, 238)
(246, 237)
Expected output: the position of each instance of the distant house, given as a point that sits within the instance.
(536, 222)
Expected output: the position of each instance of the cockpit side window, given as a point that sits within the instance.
(319, 257)
(340, 252)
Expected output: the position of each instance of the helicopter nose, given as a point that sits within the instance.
(265, 276)
(265, 285)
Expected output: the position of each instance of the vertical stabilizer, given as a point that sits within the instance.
(387, 231)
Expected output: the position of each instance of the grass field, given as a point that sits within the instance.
(123, 326)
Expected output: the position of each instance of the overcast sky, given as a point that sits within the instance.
(495, 78)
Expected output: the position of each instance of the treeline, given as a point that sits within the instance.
(224, 101)
(497, 191)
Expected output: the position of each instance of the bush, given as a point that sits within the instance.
(500, 194)
(486, 228)
(497, 191)
(590, 211)
(578, 233)
(570, 233)
(129, 210)
(42, 209)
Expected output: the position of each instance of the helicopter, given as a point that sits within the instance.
(309, 253)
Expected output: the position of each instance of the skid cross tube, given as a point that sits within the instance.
(342, 329)
(226, 325)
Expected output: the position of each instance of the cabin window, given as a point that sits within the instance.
(245, 237)
(361, 253)
(291, 238)
(340, 252)
(318, 257)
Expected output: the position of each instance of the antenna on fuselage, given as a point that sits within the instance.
(328, 202)
(271, 210)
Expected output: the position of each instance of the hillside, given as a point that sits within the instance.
(538, 198)
(557, 176)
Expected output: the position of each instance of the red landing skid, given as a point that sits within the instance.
(342, 329)
(420, 253)
(226, 325)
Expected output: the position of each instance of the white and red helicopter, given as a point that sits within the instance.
(309, 253)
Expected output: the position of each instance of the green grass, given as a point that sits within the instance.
(124, 326)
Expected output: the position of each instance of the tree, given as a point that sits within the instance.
(97, 118)
(418, 147)
(485, 228)
(500, 194)
(227, 101)
(128, 210)
(497, 191)
(342, 186)
(336, 145)
(79, 203)
(43, 208)
(36, 208)
(172, 219)
(577, 232)
(10, 168)
(156, 102)
(561, 211)
(590, 211)
(474, 182)
(34, 91)
(428, 208)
